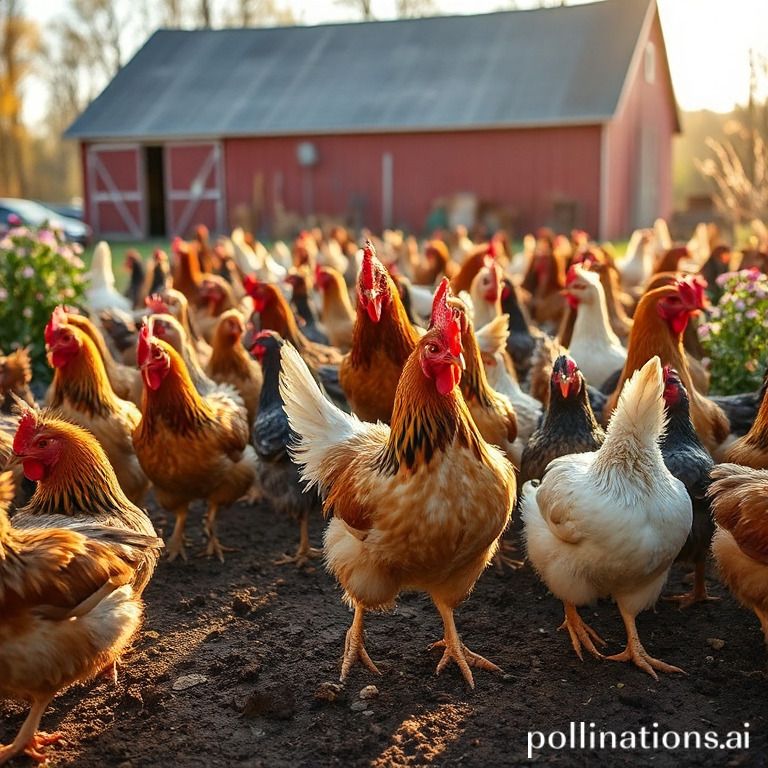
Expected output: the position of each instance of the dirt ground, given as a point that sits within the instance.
(265, 641)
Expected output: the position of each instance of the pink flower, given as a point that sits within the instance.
(46, 237)
(750, 314)
(740, 305)
(3, 294)
(13, 220)
(27, 272)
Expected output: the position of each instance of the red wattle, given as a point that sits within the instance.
(33, 469)
(447, 378)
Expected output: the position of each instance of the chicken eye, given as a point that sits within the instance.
(42, 443)
(432, 349)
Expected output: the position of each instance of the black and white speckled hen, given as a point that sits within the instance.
(271, 437)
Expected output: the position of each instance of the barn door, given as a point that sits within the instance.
(115, 188)
(194, 187)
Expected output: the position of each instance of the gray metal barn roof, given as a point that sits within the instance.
(539, 67)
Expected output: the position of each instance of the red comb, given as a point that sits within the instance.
(178, 245)
(250, 283)
(58, 318)
(444, 317)
(367, 270)
(571, 276)
(145, 337)
(691, 290)
(25, 431)
(156, 305)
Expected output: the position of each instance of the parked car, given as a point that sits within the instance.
(34, 214)
(70, 210)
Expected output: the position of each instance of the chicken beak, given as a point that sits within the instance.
(458, 360)
(565, 386)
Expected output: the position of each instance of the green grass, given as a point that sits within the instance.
(144, 247)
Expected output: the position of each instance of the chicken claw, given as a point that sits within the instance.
(354, 648)
(635, 652)
(500, 559)
(457, 651)
(581, 633)
(698, 594)
(175, 545)
(29, 740)
(304, 553)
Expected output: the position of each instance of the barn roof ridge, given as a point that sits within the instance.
(547, 66)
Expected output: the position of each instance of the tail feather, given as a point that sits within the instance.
(318, 424)
(492, 337)
(639, 415)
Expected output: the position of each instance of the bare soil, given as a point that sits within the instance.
(266, 642)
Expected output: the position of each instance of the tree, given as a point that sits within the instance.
(363, 7)
(258, 13)
(409, 9)
(19, 46)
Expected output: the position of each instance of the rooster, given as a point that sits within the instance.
(191, 447)
(396, 524)
(383, 340)
(610, 523)
(687, 459)
(278, 475)
(740, 545)
(82, 394)
(231, 364)
(569, 424)
(68, 607)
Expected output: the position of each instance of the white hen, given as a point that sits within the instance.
(101, 293)
(594, 346)
(610, 523)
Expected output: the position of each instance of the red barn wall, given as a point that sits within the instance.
(524, 169)
(638, 147)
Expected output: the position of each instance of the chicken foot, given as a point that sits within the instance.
(456, 650)
(501, 558)
(214, 545)
(635, 652)
(29, 740)
(354, 647)
(581, 633)
(175, 545)
(699, 592)
(304, 553)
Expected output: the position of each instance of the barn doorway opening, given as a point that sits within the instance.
(153, 163)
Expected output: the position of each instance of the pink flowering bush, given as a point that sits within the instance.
(735, 334)
(38, 270)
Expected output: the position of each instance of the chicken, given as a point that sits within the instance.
(544, 282)
(593, 344)
(398, 522)
(751, 450)
(191, 447)
(135, 291)
(523, 340)
(15, 378)
(491, 411)
(485, 292)
(382, 342)
(124, 380)
(231, 364)
(336, 313)
(101, 292)
(175, 303)
(120, 329)
(660, 320)
(740, 545)
(75, 481)
(81, 393)
(569, 424)
(609, 523)
(305, 310)
(68, 608)
(271, 437)
(687, 459)
(187, 274)
(492, 339)
(215, 297)
(637, 265)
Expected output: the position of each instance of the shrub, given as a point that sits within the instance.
(38, 270)
(735, 336)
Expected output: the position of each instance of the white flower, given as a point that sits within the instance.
(3, 294)
(27, 272)
(27, 312)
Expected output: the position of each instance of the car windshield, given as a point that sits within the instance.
(33, 213)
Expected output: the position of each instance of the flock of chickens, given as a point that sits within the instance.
(417, 397)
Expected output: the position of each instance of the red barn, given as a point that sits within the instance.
(562, 115)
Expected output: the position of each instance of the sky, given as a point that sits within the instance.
(708, 41)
